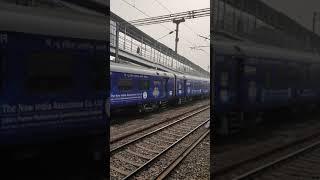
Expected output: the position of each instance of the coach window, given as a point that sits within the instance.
(157, 83)
(125, 84)
(49, 72)
(144, 85)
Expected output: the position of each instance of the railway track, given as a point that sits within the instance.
(301, 164)
(144, 153)
(266, 160)
(123, 138)
(164, 174)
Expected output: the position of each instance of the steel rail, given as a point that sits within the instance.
(164, 151)
(225, 170)
(277, 161)
(157, 130)
(181, 156)
(119, 138)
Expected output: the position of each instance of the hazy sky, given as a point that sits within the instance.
(299, 10)
(188, 38)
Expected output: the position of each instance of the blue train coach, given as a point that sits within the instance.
(53, 83)
(251, 80)
(145, 89)
(140, 87)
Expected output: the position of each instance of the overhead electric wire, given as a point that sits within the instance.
(158, 21)
(165, 35)
(194, 47)
(150, 16)
(144, 13)
(159, 24)
(167, 18)
(204, 37)
(186, 25)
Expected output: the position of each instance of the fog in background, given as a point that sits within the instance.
(189, 31)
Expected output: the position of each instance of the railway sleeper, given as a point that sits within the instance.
(138, 154)
(123, 172)
(137, 164)
(148, 149)
(154, 144)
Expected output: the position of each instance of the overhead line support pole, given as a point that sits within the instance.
(117, 42)
(177, 22)
(314, 22)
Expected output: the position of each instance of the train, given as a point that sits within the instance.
(145, 89)
(53, 83)
(251, 80)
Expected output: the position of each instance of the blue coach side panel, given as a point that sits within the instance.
(180, 86)
(197, 86)
(225, 83)
(133, 85)
(73, 98)
(248, 78)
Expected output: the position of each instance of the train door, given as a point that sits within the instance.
(166, 87)
(174, 86)
(250, 84)
(239, 82)
(185, 88)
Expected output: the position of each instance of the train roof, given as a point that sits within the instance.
(262, 51)
(125, 68)
(185, 76)
(55, 22)
(197, 78)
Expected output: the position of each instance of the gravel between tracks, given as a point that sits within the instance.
(230, 154)
(169, 156)
(196, 165)
(303, 166)
(127, 139)
(118, 129)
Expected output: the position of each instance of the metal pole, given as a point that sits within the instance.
(255, 15)
(177, 38)
(160, 56)
(218, 14)
(124, 38)
(234, 19)
(177, 22)
(131, 44)
(117, 43)
(314, 22)
(224, 14)
(141, 45)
